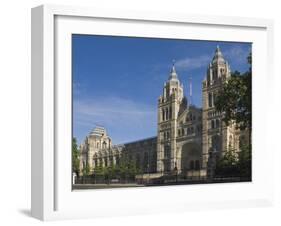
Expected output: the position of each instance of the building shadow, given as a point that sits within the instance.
(26, 212)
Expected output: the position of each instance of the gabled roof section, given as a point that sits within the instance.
(190, 108)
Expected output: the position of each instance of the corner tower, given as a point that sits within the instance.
(215, 133)
(168, 107)
(97, 140)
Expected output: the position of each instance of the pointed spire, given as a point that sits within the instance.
(218, 52)
(174, 61)
(173, 74)
(218, 48)
(218, 57)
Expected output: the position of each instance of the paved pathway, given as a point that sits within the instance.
(93, 186)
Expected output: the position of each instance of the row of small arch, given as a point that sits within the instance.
(166, 113)
(107, 153)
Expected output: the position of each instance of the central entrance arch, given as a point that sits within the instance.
(190, 156)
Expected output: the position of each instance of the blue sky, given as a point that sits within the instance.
(117, 80)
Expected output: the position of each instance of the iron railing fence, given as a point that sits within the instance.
(163, 180)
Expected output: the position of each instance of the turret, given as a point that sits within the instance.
(168, 108)
(218, 69)
(215, 132)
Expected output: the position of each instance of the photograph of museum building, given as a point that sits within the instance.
(189, 143)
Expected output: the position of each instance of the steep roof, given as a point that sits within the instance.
(98, 131)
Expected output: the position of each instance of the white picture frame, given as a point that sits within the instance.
(52, 197)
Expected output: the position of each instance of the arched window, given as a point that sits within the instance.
(182, 131)
(153, 163)
(145, 162)
(179, 132)
(230, 141)
(213, 124)
(111, 160)
(214, 72)
(210, 100)
(167, 158)
(197, 165)
(215, 75)
(242, 141)
(170, 113)
(167, 114)
(217, 123)
(138, 161)
(191, 164)
(167, 152)
(163, 115)
(214, 99)
(117, 159)
(216, 143)
(104, 144)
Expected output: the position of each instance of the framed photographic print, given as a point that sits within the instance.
(148, 112)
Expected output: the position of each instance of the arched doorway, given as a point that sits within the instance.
(190, 157)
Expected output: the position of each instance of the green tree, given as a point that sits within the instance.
(123, 169)
(86, 170)
(235, 163)
(245, 161)
(126, 169)
(227, 165)
(235, 100)
(98, 171)
(132, 169)
(75, 156)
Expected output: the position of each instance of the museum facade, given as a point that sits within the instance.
(189, 139)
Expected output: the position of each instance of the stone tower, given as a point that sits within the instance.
(98, 140)
(168, 107)
(215, 134)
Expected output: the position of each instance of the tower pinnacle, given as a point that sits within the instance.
(173, 74)
(218, 57)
